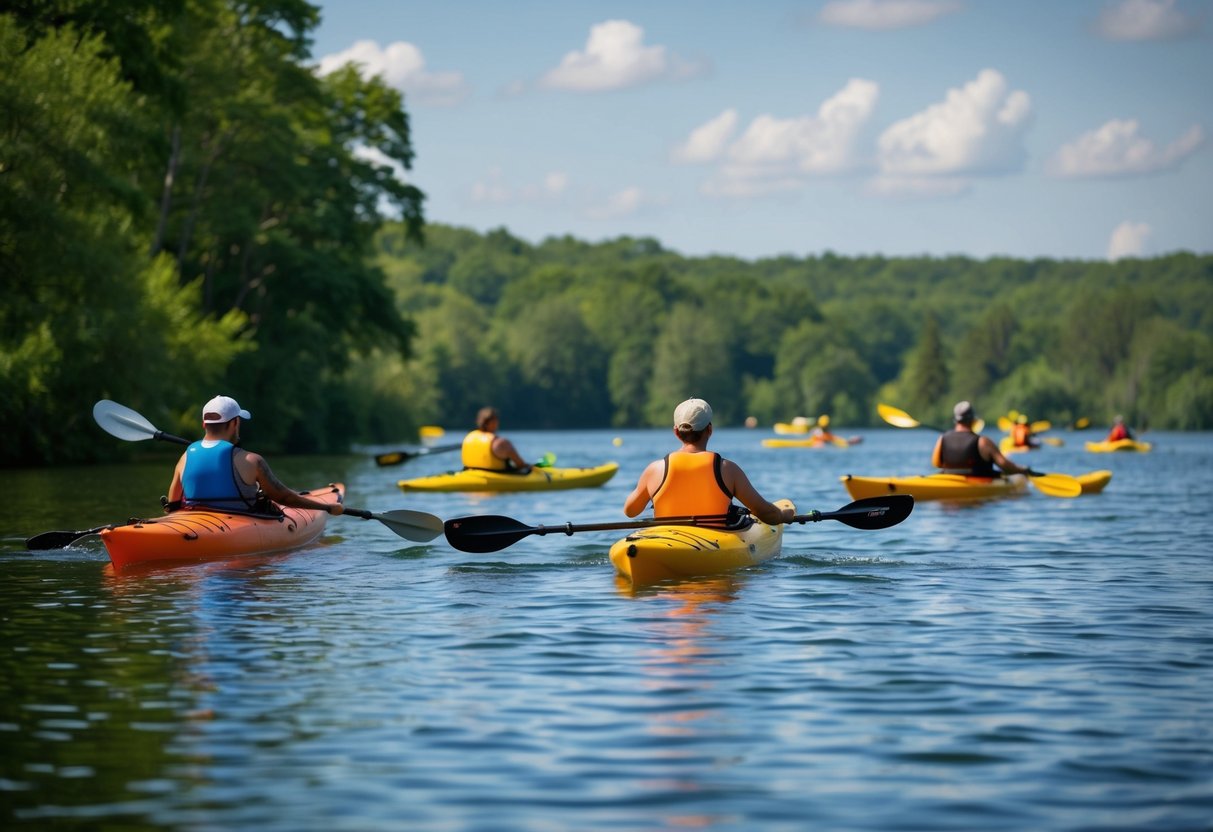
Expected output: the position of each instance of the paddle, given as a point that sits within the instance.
(1055, 485)
(900, 419)
(130, 425)
(491, 532)
(397, 457)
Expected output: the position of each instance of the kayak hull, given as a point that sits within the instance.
(936, 486)
(1119, 445)
(205, 534)
(539, 479)
(812, 442)
(662, 553)
(1094, 481)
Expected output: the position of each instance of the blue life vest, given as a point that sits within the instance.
(210, 479)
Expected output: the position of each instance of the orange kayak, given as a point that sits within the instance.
(204, 534)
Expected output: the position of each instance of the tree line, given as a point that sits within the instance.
(188, 208)
(567, 333)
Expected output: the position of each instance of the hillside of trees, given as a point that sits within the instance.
(188, 208)
(570, 334)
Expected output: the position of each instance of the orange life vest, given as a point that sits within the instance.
(1020, 434)
(478, 451)
(692, 485)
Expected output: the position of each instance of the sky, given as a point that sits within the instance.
(1023, 128)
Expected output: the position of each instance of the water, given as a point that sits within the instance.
(1034, 663)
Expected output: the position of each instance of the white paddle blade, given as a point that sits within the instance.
(411, 525)
(122, 422)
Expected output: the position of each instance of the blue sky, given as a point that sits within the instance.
(1029, 128)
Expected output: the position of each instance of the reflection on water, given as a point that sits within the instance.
(1030, 663)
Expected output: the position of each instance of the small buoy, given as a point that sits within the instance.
(617, 441)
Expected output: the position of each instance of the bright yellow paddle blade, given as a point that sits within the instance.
(1005, 424)
(1082, 423)
(1057, 485)
(895, 417)
(823, 421)
(1040, 426)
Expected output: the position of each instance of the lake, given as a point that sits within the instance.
(1033, 663)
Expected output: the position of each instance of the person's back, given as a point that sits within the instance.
(215, 472)
(693, 481)
(1119, 431)
(961, 450)
(483, 449)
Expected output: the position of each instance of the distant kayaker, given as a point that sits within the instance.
(696, 481)
(1119, 430)
(1021, 433)
(214, 472)
(484, 449)
(962, 450)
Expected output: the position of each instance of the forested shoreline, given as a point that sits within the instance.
(567, 333)
(187, 207)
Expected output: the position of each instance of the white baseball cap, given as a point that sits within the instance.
(693, 414)
(222, 409)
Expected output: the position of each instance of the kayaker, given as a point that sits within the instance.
(214, 472)
(484, 449)
(960, 449)
(1119, 430)
(696, 481)
(1021, 433)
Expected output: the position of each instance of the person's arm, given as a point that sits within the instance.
(275, 490)
(504, 449)
(989, 452)
(758, 505)
(638, 500)
(176, 491)
(937, 454)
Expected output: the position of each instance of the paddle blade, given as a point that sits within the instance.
(1040, 426)
(896, 418)
(874, 512)
(1055, 485)
(484, 533)
(546, 461)
(122, 422)
(56, 540)
(411, 525)
(393, 458)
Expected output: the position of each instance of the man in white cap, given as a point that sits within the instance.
(693, 481)
(964, 451)
(214, 472)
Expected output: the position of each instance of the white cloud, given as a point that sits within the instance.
(775, 155)
(616, 57)
(1118, 149)
(618, 205)
(495, 191)
(1144, 20)
(976, 129)
(707, 142)
(402, 66)
(885, 14)
(1129, 239)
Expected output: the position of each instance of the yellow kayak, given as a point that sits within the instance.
(660, 552)
(936, 486)
(1118, 445)
(1094, 482)
(538, 479)
(812, 442)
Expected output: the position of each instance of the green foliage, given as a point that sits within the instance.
(786, 336)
